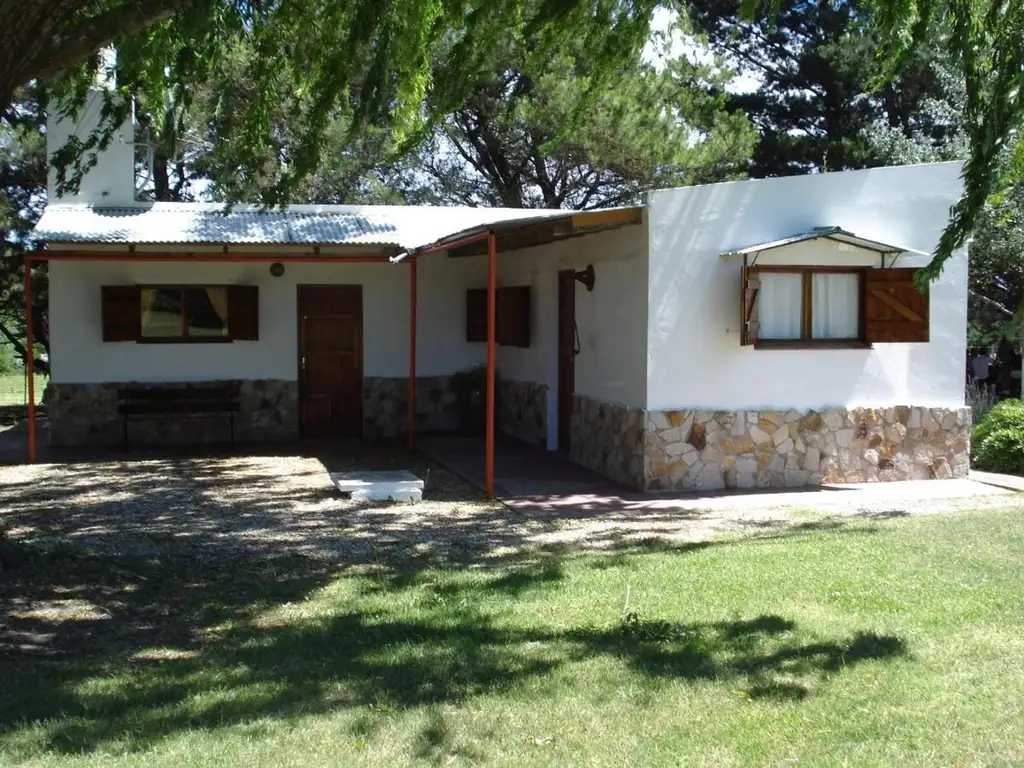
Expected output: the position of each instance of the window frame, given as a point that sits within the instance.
(184, 338)
(806, 341)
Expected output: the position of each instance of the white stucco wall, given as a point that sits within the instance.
(611, 319)
(79, 354)
(695, 359)
(111, 181)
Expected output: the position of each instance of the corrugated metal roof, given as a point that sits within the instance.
(405, 227)
(829, 233)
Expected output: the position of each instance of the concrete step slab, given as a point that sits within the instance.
(389, 485)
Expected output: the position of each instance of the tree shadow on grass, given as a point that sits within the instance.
(220, 507)
(158, 649)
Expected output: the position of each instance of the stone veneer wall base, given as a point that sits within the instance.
(609, 439)
(386, 404)
(703, 450)
(86, 415)
(523, 410)
(712, 450)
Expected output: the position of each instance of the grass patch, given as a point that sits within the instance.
(13, 389)
(886, 642)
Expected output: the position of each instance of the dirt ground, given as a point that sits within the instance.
(213, 509)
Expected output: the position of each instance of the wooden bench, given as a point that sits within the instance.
(179, 402)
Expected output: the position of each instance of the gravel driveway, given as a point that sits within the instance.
(215, 509)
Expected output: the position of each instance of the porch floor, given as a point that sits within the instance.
(521, 470)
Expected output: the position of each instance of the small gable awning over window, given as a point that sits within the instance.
(836, 234)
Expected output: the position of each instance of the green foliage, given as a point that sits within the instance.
(985, 41)
(817, 106)
(997, 443)
(22, 196)
(323, 61)
(996, 275)
(980, 399)
(548, 133)
(380, 64)
(7, 364)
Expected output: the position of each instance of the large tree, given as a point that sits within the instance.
(22, 196)
(517, 140)
(375, 60)
(318, 59)
(996, 303)
(817, 96)
(984, 40)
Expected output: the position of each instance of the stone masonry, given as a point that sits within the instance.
(711, 450)
(714, 450)
(385, 406)
(86, 415)
(608, 439)
(523, 410)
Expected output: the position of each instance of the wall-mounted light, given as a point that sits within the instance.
(277, 269)
(586, 276)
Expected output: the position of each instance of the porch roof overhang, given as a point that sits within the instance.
(834, 233)
(537, 228)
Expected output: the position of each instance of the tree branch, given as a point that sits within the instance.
(19, 349)
(93, 34)
(991, 302)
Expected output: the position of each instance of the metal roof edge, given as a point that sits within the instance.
(834, 233)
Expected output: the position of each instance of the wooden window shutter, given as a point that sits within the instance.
(895, 310)
(120, 312)
(750, 287)
(514, 316)
(244, 312)
(476, 314)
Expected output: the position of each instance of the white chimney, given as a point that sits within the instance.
(111, 181)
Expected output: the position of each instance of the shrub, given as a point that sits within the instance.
(997, 443)
(7, 364)
(980, 400)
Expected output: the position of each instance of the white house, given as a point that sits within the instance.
(745, 334)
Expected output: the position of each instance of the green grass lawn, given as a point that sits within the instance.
(888, 642)
(13, 391)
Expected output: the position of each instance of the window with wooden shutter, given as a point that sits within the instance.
(476, 314)
(895, 310)
(119, 307)
(244, 312)
(750, 286)
(180, 313)
(514, 316)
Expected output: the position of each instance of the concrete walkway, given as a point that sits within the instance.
(533, 480)
(1007, 482)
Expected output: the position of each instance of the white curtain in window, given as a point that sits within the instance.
(779, 305)
(835, 306)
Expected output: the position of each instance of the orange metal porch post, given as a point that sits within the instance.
(492, 260)
(30, 362)
(412, 352)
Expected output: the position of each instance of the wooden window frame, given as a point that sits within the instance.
(806, 341)
(185, 338)
(508, 298)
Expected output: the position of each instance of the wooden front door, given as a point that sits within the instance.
(566, 355)
(331, 360)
